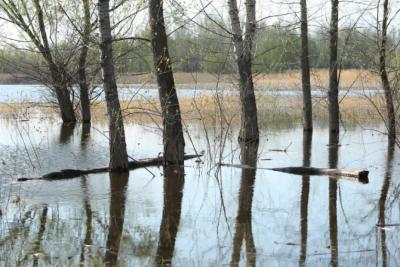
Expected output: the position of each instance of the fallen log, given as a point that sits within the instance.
(73, 173)
(359, 175)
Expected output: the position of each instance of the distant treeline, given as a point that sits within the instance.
(209, 49)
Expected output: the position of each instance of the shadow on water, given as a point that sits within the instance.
(66, 132)
(382, 201)
(174, 179)
(305, 192)
(243, 227)
(118, 186)
(333, 185)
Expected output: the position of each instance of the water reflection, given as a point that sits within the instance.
(85, 136)
(89, 217)
(382, 201)
(174, 179)
(37, 248)
(118, 186)
(66, 132)
(243, 227)
(305, 192)
(333, 227)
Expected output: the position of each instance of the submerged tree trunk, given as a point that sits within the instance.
(305, 70)
(391, 117)
(174, 143)
(333, 69)
(83, 85)
(118, 154)
(244, 57)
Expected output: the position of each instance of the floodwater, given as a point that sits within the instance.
(197, 214)
(38, 93)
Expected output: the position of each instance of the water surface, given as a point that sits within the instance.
(199, 214)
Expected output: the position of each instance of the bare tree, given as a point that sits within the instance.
(118, 154)
(18, 13)
(244, 56)
(305, 69)
(391, 117)
(333, 69)
(174, 143)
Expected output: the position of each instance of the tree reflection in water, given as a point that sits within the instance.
(66, 132)
(382, 201)
(243, 228)
(333, 227)
(305, 191)
(174, 179)
(118, 185)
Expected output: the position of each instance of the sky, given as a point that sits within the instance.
(269, 11)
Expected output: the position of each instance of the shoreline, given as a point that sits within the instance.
(290, 80)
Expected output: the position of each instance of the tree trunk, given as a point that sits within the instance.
(173, 140)
(83, 86)
(118, 154)
(391, 117)
(305, 70)
(244, 56)
(57, 71)
(333, 69)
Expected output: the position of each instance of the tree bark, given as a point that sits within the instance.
(333, 69)
(305, 70)
(83, 85)
(57, 71)
(118, 154)
(173, 140)
(244, 57)
(391, 117)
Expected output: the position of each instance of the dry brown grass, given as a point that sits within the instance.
(287, 80)
(211, 110)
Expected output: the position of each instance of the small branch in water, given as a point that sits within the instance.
(359, 175)
(281, 150)
(73, 173)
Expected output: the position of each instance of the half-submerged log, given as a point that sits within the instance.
(359, 175)
(73, 173)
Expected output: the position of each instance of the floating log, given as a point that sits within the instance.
(73, 173)
(360, 175)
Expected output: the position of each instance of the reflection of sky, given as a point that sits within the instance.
(204, 237)
(37, 93)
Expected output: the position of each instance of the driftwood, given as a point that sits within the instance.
(359, 175)
(73, 173)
